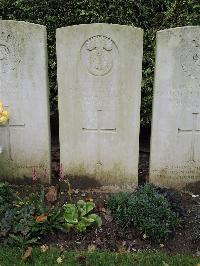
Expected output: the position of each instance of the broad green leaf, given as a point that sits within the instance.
(81, 227)
(87, 221)
(85, 207)
(70, 213)
(96, 218)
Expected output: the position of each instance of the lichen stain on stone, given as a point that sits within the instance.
(16, 173)
(80, 177)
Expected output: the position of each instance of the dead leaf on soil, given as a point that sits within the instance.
(122, 249)
(108, 217)
(76, 191)
(91, 247)
(144, 236)
(59, 260)
(52, 194)
(44, 248)
(89, 199)
(81, 258)
(27, 254)
(41, 218)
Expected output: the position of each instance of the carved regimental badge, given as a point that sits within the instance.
(98, 54)
(190, 60)
(9, 52)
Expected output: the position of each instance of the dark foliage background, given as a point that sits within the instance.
(151, 15)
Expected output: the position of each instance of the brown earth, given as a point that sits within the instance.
(110, 236)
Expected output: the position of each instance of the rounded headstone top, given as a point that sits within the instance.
(101, 25)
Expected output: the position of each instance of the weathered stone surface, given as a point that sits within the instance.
(99, 79)
(24, 90)
(175, 143)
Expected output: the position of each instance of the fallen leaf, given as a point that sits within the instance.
(27, 254)
(52, 194)
(108, 217)
(41, 218)
(76, 191)
(123, 243)
(91, 247)
(59, 260)
(122, 249)
(144, 236)
(89, 199)
(44, 248)
(81, 258)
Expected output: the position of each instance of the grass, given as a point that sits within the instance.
(12, 256)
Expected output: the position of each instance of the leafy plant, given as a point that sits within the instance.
(148, 211)
(21, 240)
(48, 223)
(7, 195)
(79, 215)
(23, 220)
(17, 219)
(38, 201)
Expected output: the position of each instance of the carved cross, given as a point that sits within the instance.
(100, 129)
(194, 131)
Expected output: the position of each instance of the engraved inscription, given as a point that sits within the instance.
(187, 96)
(97, 54)
(9, 52)
(193, 133)
(190, 171)
(190, 59)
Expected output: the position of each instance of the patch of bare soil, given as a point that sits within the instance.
(113, 238)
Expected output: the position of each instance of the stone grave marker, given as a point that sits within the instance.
(25, 140)
(175, 143)
(99, 80)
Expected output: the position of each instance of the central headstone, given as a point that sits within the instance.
(175, 143)
(99, 79)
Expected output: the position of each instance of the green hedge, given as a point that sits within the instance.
(151, 15)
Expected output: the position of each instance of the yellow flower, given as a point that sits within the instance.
(5, 113)
(3, 120)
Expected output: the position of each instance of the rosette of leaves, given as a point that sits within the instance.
(79, 216)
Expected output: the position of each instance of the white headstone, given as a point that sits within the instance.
(99, 79)
(175, 143)
(25, 141)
